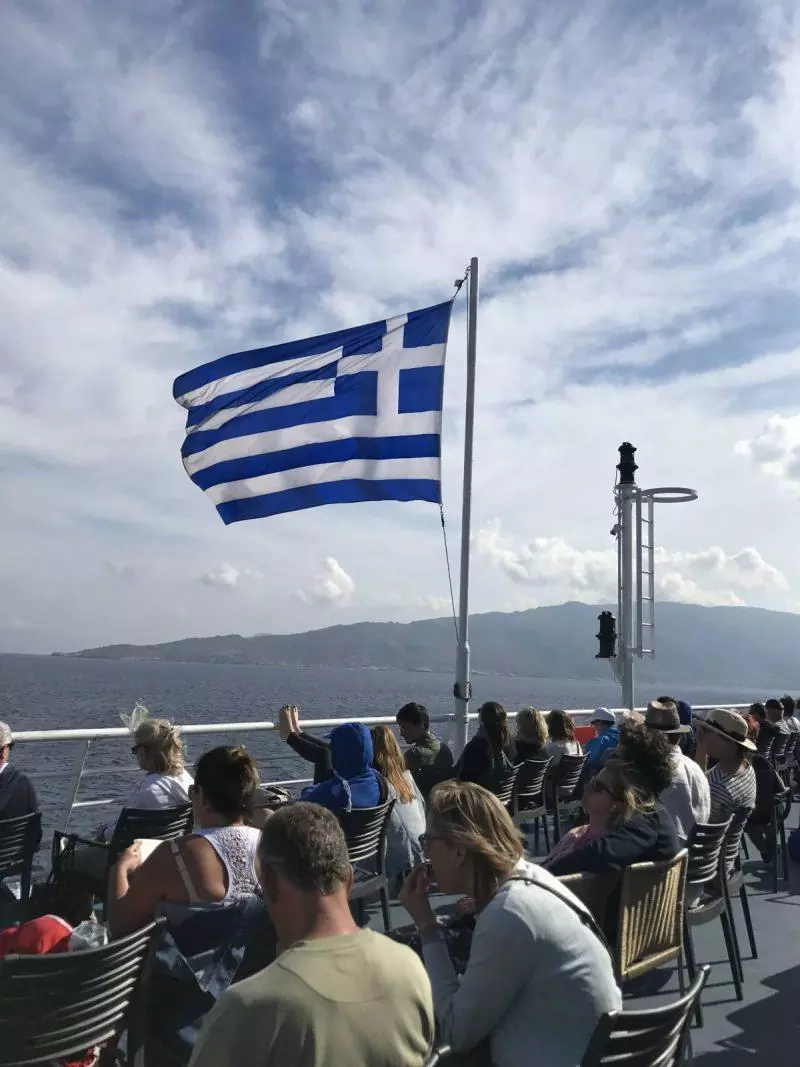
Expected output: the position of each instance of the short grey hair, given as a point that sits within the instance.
(307, 845)
(6, 737)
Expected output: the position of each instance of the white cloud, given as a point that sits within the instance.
(776, 450)
(333, 585)
(229, 577)
(711, 576)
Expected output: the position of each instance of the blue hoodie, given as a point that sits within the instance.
(598, 748)
(354, 784)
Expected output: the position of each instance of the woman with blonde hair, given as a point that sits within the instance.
(530, 739)
(407, 821)
(539, 976)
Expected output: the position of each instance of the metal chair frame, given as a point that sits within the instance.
(365, 830)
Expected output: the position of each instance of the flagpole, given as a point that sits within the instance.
(462, 688)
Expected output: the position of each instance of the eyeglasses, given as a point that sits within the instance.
(425, 840)
(597, 785)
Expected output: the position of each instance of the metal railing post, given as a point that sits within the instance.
(77, 773)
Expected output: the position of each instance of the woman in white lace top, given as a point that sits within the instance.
(215, 863)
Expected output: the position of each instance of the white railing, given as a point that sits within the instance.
(77, 772)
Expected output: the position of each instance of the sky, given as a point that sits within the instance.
(182, 180)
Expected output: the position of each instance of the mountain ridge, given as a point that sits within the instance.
(704, 645)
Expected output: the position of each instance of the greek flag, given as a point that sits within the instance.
(348, 416)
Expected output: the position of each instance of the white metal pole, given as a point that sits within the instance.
(627, 496)
(461, 690)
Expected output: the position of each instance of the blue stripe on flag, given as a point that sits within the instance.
(268, 387)
(235, 470)
(355, 394)
(350, 491)
(360, 339)
(427, 327)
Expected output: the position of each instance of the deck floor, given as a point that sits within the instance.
(764, 1027)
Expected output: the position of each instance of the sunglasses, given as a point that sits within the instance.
(596, 785)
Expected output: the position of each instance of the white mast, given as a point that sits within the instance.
(463, 686)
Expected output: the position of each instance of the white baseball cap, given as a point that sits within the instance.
(603, 715)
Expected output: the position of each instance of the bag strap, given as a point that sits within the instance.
(565, 897)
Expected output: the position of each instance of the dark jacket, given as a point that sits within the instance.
(644, 837)
(17, 795)
(428, 752)
(529, 750)
(355, 783)
(480, 764)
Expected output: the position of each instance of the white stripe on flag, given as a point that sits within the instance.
(246, 379)
(312, 433)
(292, 394)
(373, 469)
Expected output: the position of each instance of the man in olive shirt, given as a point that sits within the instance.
(335, 994)
(426, 750)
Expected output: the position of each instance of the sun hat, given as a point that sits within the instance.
(728, 724)
(664, 715)
(603, 715)
(6, 737)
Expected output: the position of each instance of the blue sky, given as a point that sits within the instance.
(184, 180)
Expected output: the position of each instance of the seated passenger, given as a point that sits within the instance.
(17, 795)
(530, 738)
(407, 822)
(215, 863)
(624, 793)
(605, 740)
(687, 797)
(425, 750)
(344, 777)
(538, 977)
(488, 755)
(336, 995)
(722, 736)
(768, 784)
(561, 741)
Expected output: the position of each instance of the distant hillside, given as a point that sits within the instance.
(703, 646)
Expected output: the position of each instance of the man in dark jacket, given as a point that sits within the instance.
(17, 795)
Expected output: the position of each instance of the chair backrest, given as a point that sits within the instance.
(427, 777)
(529, 785)
(365, 830)
(18, 841)
(705, 846)
(502, 785)
(651, 1038)
(593, 890)
(733, 839)
(54, 1006)
(567, 775)
(780, 746)
(650, 927)
(764, 743)
(162, 824)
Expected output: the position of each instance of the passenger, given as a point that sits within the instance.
(17, 795)
(538, 978)
(425, 749)
(789, 709)
(722, 735)
(488, 755)
(605, 740)
(530, 739)
(687, 797)
(336, 994)
(625, 793)
(215, 863)
(407, 822)
(775, 718)
(768, 784)
(344, 777)
(562, 740)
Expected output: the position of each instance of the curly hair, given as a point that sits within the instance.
(645, 756)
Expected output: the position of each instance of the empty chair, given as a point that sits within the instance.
(655, 1037)
(562, 790)
(61, 1005)
(705, 875)
(650, 923)
(527, 802)
(365, 832)
(166, 824)
(19, 839)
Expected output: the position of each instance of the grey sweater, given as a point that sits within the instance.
(536, 983)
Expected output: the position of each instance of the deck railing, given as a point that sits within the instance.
(76, 772)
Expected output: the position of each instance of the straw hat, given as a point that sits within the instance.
(728, 725)
(663, 715)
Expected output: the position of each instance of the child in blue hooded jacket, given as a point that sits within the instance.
(344, 777)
